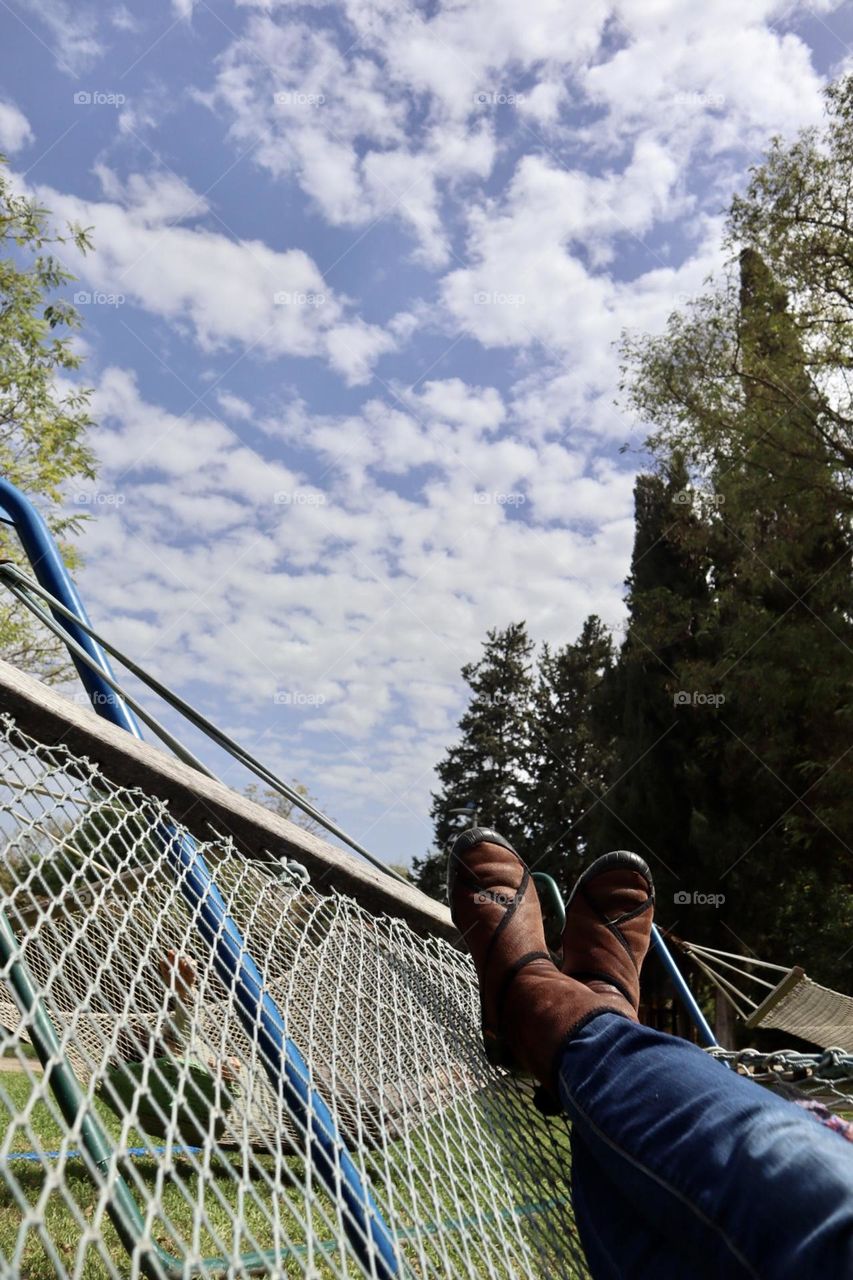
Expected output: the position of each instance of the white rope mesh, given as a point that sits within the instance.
(467, 1178)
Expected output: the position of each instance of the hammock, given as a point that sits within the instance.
(793, 1003)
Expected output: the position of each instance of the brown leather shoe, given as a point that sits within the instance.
(608, 925)
(529, 1008)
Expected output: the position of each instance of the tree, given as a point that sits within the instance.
(769, 821)
(569, 759)
(797, 214)
(782, 582)
(279, 804)
(648, 806)
(63, 852)
(481, 776)
(42, 425)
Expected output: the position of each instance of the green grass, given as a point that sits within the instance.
(64, 1213)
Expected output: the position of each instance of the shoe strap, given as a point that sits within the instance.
(510, 976)
(507, 915)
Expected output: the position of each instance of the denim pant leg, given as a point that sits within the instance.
(741, 1181)
(618, 1242)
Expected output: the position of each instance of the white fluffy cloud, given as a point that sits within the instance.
(363, 603)
(228, 292)
(339, 121)
(382, 111)
(557, 180)
(15, 131)
(72, 32)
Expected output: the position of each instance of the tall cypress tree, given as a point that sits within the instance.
(761, 801)
(648, 806)
(782, 591)
(481, 775)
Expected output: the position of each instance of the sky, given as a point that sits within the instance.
(351, 325)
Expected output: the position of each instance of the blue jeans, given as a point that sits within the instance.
(683, 1170)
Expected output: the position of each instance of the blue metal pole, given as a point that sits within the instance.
(263, 1023)
(49, 568)
(706, 1035)
(371, 1240)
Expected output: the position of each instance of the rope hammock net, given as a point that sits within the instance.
(225, 1168)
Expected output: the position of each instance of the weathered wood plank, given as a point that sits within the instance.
(195, 801)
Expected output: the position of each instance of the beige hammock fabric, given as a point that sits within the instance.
(808, 1010)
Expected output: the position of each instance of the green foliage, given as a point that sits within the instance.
(648, 807)
(748, 387)
(279, 804)
(71, 850)
(569, 754)
(43, 417)
(481, 776)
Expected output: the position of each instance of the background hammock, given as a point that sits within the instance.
(766, 995)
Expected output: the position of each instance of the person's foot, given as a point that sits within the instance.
(529, 1008)
(608, 926)
(180, 970)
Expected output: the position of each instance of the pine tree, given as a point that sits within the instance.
(481, 776)
(569, 758)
